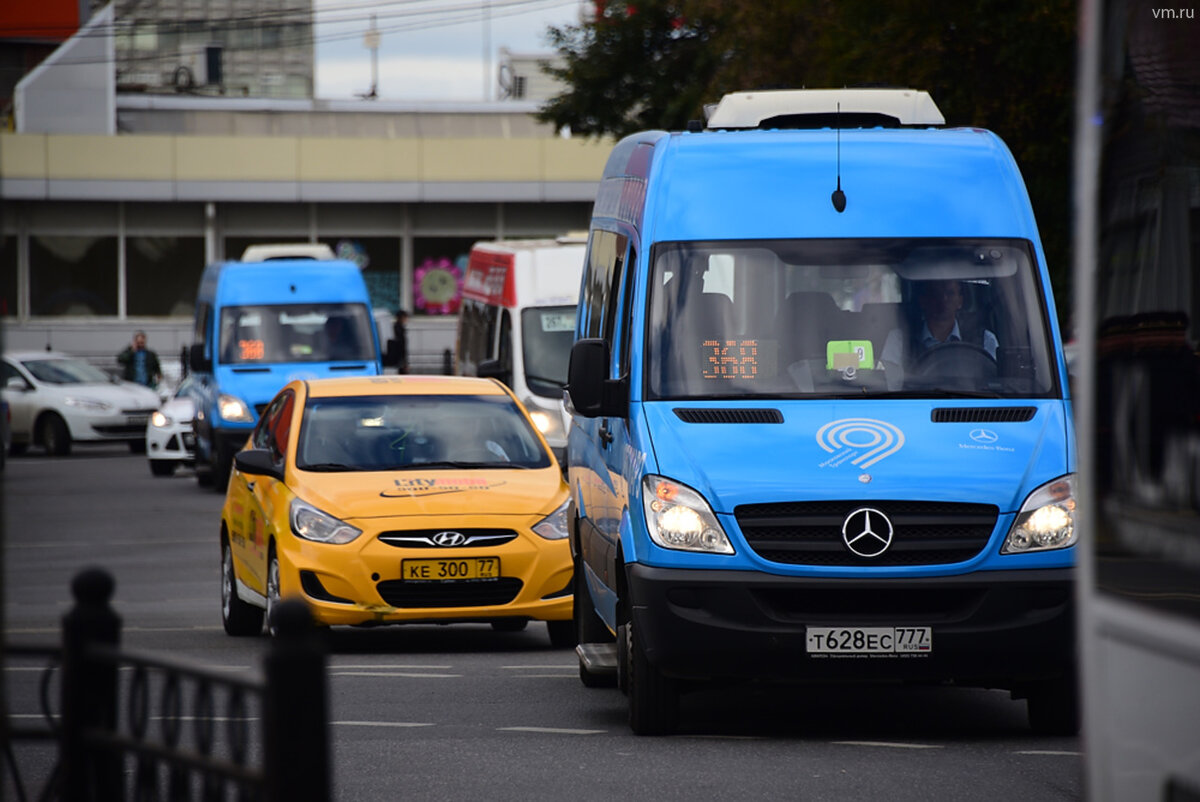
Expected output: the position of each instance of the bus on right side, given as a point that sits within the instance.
(1137, 379)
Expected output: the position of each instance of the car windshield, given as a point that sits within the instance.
(399, 432)
(65, 371)
(846, 318)
(295, 333)
(547, 333)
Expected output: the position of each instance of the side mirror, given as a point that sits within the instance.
(589, 390)
(16, 383)
(197, 360)
(258, 462)
(491, 369)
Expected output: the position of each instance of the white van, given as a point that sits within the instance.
(517, 322)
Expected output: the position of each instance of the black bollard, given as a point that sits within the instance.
(89, 690)
(295, 709)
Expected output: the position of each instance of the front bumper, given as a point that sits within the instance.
(991, 629)
(170, 443)
(362, 584)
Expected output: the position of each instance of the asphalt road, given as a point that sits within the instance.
(462, 712)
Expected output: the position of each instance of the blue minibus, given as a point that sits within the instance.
(821, 426)
(260, 324)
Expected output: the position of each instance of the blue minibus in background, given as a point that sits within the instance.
(1137, 375)
(821, 424)
(281, 313)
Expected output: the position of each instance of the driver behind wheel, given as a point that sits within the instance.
(939, 302)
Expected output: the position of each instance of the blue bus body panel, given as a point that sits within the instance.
(861, 450)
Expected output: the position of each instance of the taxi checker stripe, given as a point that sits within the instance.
(885, 438)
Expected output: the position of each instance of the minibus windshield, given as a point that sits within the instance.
(845, 318)
(317, 332)
(546, 336)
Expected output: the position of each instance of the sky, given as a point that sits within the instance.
(429, 49)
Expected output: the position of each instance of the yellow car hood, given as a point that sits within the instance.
(435, 492)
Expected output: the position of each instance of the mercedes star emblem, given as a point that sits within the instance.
(867, 532)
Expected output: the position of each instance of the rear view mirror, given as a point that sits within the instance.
(257, 462)
(197, 360)
(589, 390)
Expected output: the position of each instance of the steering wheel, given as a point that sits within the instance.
(958, 359)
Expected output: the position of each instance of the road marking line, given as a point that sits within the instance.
(551, 730)
(390, 674)
(383, 724)
(386, 666)
(572, 675)
(1056, 752)
(565, 667)
(889, 745)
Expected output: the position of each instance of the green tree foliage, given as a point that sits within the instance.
(996, 64)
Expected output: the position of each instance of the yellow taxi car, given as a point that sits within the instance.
(397, 499)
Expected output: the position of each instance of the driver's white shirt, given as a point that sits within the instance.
(893, 348)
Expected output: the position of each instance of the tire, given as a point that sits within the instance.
(1053, 708)
(510, 624)
(55, 436)
(562, 634)
(162, 467)
(240, 619)
(272, 591)
(221, 464)
(653, 698)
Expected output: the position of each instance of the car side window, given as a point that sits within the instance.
(274, 426)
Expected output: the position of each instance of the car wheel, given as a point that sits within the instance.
(510, 624)
(1053, 708)
(653, 698)
(238, 617)
(221, 464)
(562, 634)
(137, 446)
(272, 591)
(162, 467)
(55, 436)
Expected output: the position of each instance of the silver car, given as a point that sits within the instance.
(169, 438)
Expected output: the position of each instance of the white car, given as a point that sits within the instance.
(169, 439)
(56, 400)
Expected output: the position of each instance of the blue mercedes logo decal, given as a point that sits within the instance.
(984, 436)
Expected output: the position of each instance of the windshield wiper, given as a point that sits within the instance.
(529, 377)
(327, 467)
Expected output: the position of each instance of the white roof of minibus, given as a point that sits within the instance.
(749, 109)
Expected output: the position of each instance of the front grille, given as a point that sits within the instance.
(810, 532)
(426, 595)
(702, 415)
(982, 414)
(423, 538)
(143, 413)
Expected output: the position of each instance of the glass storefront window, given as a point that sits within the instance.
(72, 275)
(379, 259)
(161, 275)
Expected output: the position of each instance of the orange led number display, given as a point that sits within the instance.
(251, 349)
(731, 359)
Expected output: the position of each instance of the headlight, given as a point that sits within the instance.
(233, 409)
(159, 420)
(87, 404)
(554, 525)
(311, 524)
(679, 518)
(1046, 520)
(550, 425)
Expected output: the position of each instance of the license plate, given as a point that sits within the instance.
(869, 640)
(450, 570)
